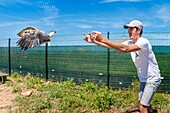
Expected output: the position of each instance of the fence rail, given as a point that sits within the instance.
(62, 60)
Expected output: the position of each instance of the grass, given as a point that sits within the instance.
(67, 97)
(85, 63)
(83, 60)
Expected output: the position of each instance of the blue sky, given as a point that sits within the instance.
(78, 16)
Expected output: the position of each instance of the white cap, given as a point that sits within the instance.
(134, 23)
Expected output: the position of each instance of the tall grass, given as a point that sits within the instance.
(88, 63)
(67, 97)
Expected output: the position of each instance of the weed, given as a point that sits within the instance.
(67, 97)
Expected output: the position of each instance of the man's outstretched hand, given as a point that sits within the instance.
(87, 37)
(95, 36)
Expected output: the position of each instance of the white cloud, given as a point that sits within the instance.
(48, 8)
(84, 26)
(163, 13)
(159, 16)
(9, 3)
(48, 21)
(48, 13)
(13, 17)
(4, 24)
(108, 1)
(99, 22)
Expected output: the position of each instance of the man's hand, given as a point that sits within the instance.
(96, 35)
(87, 38)
(96, 38)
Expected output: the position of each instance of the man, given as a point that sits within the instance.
(142, 56)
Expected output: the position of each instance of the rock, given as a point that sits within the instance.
(26, 93)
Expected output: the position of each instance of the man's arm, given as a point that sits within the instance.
(91, 40)
(98, 37)
(120, 47)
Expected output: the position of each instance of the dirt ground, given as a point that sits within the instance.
(6, 97)
(7, 105)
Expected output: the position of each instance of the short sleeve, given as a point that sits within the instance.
(142, 43)
(128, 42)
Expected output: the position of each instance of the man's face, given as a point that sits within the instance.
(134, 33)
(131, 31)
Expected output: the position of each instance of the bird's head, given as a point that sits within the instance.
(55, 31)
(52, 33)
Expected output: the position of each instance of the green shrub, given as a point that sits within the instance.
(67, 97)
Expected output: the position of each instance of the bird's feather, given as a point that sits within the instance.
(32, 37)
(26, 29)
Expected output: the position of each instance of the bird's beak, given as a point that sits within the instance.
(55, 31)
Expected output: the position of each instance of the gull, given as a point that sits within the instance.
(32, 37)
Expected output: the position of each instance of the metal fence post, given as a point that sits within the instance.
(46, 61)
(9, 56)
(108, 64)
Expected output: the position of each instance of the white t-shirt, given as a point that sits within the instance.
(145, 61)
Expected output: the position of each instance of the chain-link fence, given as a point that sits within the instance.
(70, 57)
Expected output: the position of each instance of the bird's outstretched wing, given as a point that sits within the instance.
(31, 37)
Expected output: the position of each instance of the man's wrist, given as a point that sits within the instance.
(104, 40)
